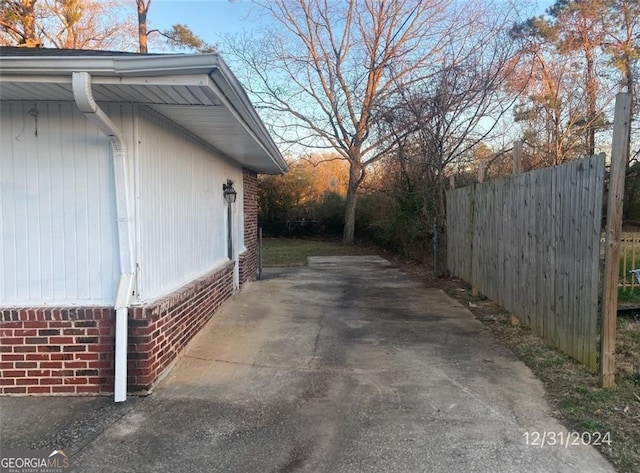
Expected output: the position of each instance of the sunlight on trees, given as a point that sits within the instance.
(331, 68)
(67, 24)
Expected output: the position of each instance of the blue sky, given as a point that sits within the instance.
(211, 19)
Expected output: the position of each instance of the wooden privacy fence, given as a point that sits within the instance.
(531, 242)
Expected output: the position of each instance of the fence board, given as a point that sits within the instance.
(531, 243)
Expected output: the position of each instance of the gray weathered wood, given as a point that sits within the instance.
(531, 243)
(619, 153)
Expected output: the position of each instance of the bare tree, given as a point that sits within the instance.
(86, 24)
(328, 66)
(443, 122)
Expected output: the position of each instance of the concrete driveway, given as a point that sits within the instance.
(345, 365)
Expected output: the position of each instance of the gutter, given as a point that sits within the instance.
(82, 93)
(144, 70)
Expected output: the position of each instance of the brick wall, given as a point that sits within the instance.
(56, 351)
(248, 261)
(69, 350)
(159, 331)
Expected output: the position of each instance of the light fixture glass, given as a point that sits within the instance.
(229, 192)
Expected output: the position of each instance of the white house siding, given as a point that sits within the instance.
(181, 212)
(58, 241)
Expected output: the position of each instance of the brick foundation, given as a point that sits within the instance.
(56, 351)
(248, 261)
(69, 350)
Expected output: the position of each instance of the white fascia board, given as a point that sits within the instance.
(229, 90)
(109, 65)
(189, 80)
(54, 66)
(248, 122)
(176, 63)
(50, 79)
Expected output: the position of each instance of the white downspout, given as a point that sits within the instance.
(83, 96)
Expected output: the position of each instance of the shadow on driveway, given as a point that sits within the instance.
(344, 365)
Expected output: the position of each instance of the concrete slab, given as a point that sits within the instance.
(344, 365)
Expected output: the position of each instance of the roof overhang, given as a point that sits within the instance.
(198, 92)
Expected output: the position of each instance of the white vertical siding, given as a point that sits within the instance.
(181, 214)
(57, 207)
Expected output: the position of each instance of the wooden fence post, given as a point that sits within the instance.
(619, 145)
(516, 169)
(517, 157)
(482, 170)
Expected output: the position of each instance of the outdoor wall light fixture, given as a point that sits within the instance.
(230, 195)
(229, 192)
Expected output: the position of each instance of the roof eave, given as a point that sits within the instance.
(50, 67)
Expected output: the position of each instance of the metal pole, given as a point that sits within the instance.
(229, 238)
(435, 249)
(259, 253)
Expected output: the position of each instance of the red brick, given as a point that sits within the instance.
(60, 324)
(74, 348)
(75, 364)
(25, 349)
(39, 373)
(13, 325)
(50, 381)
(87, 356)
(49, 332)
(74, 331)
(15, 390)
(12, 357)
(62, 356)
(14, 373)
(62, 373)
(76, 381)
(32, 324)
(49, 348)
(13, 341)
(39, 390)
(26, 381)
(61, 340)
(7, 381)
(38, 356)
(51, 364)
(63, 389)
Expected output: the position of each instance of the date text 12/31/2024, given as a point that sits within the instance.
(566, 439)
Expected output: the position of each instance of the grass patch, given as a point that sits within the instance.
(294, 252)
(629, 296)
(573, 390)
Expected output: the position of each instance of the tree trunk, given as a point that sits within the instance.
(31, 39)
(356, 174)
(142, 25)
